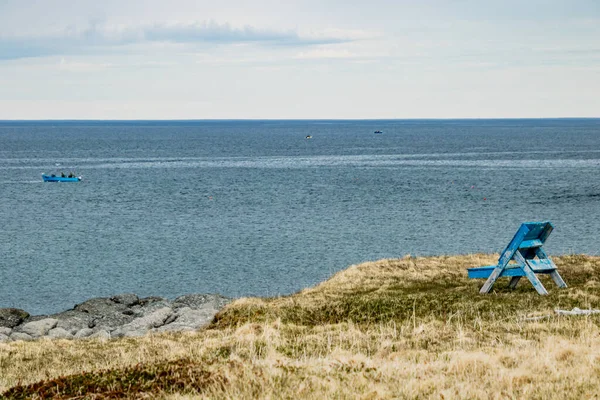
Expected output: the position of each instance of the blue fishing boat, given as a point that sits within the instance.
(61, 178)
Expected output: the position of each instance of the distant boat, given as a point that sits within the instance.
(378, 132)
(61, 178)
(308, 137)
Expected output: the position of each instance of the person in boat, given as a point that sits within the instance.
(62, 174)
(71, 175)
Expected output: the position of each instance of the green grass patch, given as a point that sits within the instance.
(389, 300)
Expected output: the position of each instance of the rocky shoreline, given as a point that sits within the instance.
(123, 315)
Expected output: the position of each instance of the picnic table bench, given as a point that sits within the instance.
(519, 259)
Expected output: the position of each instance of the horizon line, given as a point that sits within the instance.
(288, 119)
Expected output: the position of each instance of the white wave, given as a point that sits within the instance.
(64, 162)
(320, 161)
(20, 182)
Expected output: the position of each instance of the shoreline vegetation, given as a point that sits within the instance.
(414, 327)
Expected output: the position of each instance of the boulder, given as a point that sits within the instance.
(128, 299)
(151, 299)
(104, 313)
(142, 325)
(129, 332)
(73, 321)
(11, 317)
(172, 318)
(59, 333)
(85, 332)
(38, 328)
(121, 315)
(188, 319)
(110, 322)
(33, 318)
(197, 301)
(20, 336)
(100, 306)
(4, 338)
(145, 308)
(101, 334)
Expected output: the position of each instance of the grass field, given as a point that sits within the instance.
(403, 328)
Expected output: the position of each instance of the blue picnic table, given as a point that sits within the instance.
(523, 256)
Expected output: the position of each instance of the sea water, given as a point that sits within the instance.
(254, 208)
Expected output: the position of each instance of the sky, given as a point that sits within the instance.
(312, 59)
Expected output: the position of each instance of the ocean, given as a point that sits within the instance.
(254, 208)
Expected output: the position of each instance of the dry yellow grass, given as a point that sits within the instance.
(407, 328)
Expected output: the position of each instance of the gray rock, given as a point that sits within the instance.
(148, 308)
(121, 315)
(151, 299)
(100, 306)
(101, 334)
(33, 318)
(104, 313)
(11, 317)
(130, 332)
(188, 319)
(85, 332)
(20, 336)
(38, 328)
(172, 318)
(128, 299)
(140, 326)
(72, 320)
(111, 322)
(4, 338)
(59, 333)
(197, 301)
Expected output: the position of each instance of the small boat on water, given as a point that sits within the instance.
(308, 137)
(60, 178)
(378, 132)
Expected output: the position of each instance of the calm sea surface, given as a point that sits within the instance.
(253, 208)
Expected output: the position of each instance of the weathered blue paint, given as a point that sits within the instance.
(528, 244)
(505, 257)
(541, 266)
(537, 266)
(485, 272)
(554, 272)
(530, 274)
(525, 245)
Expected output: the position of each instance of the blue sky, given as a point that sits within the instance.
(195, 59)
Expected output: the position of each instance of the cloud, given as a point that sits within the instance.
(325, 53)
(98, 37)
(224, 33)
(65, 65)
